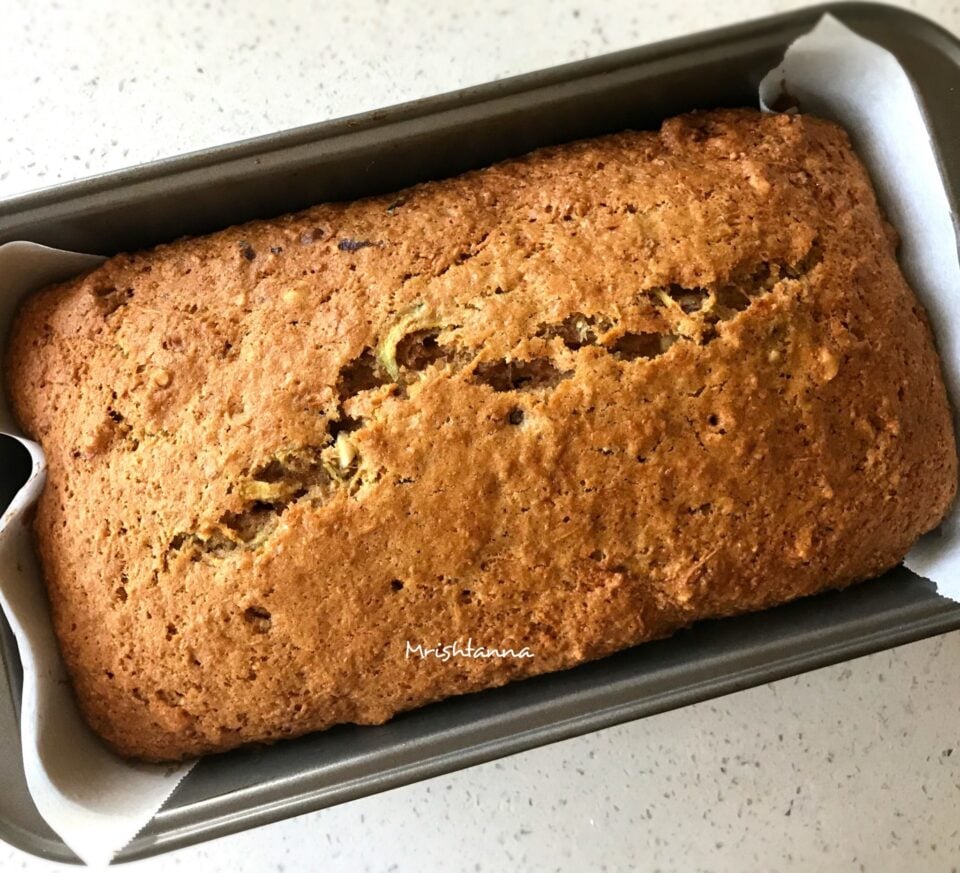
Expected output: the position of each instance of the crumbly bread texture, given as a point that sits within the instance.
(571, 402)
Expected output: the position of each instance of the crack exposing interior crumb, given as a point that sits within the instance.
(577, 330)
(411, 344)
(506, 375)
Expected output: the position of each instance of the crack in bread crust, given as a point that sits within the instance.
(313, 473)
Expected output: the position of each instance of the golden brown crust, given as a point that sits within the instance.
(571, 402)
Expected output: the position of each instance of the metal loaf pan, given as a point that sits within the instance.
(428, 139)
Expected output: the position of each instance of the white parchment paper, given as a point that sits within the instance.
(93, 799)
(834, 73)
(97, 802)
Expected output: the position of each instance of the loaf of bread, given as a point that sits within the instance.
(541, 412)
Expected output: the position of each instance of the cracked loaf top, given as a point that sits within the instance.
(570, 402)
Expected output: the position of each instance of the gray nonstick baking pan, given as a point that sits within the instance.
(433, 138)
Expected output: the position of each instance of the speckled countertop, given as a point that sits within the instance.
(854, 767)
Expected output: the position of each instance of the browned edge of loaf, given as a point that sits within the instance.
(571, 402)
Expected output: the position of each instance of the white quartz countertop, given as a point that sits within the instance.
(853, 767)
